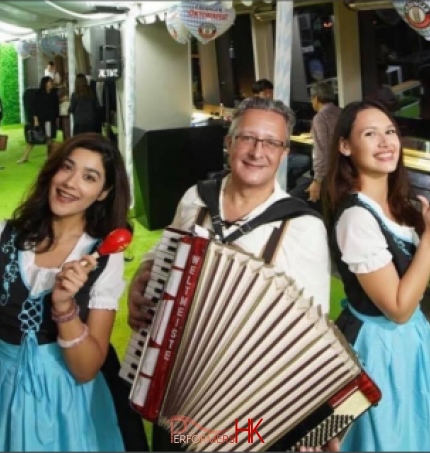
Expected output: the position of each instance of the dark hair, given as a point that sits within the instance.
(261, 85)
(50, 63)
(43, 82)
(343, 178)
(82, 89)
(33, 218)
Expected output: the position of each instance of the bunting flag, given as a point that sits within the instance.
(416, 14)
(206, 20)
(175, 27)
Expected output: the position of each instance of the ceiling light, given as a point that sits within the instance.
(14, 29)
(364, 5)
(74, 14)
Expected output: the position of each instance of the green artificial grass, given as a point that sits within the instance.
(15, 180)
(9, 86)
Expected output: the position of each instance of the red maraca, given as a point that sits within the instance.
(116, 241)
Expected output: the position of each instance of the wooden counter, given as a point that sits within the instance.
(215, 110)
(413, 159)
(305, 139)
(405, 86)
(415, 153)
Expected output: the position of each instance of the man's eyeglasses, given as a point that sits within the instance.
(268, 143)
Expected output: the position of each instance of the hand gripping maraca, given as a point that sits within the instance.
(116, 241)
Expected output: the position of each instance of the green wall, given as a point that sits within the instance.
(9, 87)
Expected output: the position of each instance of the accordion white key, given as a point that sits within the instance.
(232, 340)
(154, 291)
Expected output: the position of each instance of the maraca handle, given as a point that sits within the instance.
(95, 255)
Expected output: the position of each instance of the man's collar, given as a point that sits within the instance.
(277, 194)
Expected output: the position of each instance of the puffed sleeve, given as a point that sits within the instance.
(362, 245)
(108, 288)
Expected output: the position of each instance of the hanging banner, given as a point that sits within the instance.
(24, 49)
(175, 27)
(59, 46)
(206, 20)
(32, 48)
(416, 14)
(46, 47)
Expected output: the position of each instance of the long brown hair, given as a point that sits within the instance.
(343, 177)
(33, 219)
(82, 89)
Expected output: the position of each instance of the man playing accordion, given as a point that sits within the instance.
(257, 141)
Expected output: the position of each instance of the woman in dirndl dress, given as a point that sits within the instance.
(381, 245)
(56, 312)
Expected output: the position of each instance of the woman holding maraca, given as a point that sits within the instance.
(58, 304)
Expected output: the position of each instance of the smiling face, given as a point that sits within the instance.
(255, 165)
(373, 145)
(77, 184)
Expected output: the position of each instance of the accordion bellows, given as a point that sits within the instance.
(234, 340)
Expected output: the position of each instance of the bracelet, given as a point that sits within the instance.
(68, 315)
(67, 344)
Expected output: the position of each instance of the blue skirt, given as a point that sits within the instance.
(397, 358)
(43, 408)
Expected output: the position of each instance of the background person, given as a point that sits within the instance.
(323, 125)
(50, 71)
(263, 88)
(84, 107)
(45, 114)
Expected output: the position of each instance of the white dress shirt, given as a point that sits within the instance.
(303, 255)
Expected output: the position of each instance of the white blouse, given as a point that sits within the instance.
(361, 241)
(104, 294)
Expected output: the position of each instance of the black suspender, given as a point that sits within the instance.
(284, 209)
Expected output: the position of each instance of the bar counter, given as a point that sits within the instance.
(413, 159)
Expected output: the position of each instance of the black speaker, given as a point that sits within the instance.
(169, 161)
(105, 53)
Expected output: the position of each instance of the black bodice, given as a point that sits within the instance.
(20, 311)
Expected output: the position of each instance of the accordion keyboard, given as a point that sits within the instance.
(154, 291)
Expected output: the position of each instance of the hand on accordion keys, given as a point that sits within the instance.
(140, 309)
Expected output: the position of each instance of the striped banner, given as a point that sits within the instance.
(282, 82)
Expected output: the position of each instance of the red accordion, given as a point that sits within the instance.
(232, 339)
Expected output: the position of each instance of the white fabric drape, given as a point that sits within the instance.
(126, 109)
(81, 56)
(284, 27)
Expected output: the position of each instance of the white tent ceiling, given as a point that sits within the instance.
(46, 14)
(51, 14)
(36, 15)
